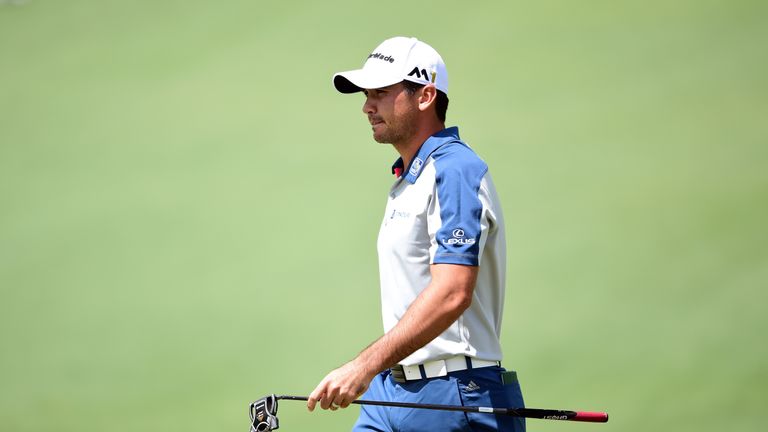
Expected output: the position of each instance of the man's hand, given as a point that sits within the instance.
(340, 387)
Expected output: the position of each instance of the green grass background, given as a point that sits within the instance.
(188, 210)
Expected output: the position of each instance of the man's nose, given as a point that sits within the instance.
(369, 107)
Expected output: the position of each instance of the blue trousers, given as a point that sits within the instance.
(475, 387)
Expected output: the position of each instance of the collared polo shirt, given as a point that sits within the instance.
(443, 209)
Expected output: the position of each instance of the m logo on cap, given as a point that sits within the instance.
(419, 73)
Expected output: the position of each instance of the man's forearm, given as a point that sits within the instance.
(434, 310)
(440, 304)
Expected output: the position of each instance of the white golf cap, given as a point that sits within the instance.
(394, 60)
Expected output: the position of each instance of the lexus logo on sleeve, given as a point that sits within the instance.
(457, 238)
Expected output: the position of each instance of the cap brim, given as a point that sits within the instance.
(356, 80)
(343, 84)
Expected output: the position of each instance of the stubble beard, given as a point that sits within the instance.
(398, 130)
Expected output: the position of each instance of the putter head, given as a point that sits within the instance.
(264, 414)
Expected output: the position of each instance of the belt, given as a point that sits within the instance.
(438, 368)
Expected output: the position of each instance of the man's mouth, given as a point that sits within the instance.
(375, 121)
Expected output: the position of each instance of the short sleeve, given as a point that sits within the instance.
(456, 227)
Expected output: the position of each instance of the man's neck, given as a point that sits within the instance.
(409, 148)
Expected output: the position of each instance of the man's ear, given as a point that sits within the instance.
(427, 97)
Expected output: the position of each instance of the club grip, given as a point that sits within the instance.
(593, 417)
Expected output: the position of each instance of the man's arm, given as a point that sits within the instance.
(434, 310)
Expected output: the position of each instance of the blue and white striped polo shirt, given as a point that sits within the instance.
(444, 210)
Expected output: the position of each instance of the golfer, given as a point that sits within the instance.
(442, 261)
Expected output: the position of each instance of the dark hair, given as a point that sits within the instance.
(441, 104)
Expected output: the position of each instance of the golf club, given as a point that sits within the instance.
(263, 412)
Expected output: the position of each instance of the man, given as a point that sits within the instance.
(441, 259)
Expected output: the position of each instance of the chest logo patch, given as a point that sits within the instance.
(416, 167)
(399, 214)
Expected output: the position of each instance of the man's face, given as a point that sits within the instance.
(392, 113)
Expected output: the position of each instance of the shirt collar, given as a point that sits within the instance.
(427, 148)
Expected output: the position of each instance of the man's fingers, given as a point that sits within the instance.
(332, 399)
(315, 396)
(339, 402)
(345, 399)
(311, 402)
(328, 397)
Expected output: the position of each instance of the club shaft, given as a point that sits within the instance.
(545, 414)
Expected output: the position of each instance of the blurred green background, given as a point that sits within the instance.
(188, 210)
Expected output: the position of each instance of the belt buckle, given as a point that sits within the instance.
(413, 372)
(436, 368)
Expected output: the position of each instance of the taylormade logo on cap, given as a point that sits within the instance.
(381, 56)
(395, 60)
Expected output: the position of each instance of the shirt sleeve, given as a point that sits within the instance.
(456, 226)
